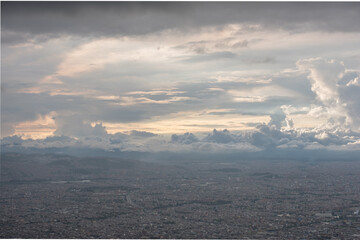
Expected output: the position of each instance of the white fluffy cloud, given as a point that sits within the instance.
(339, 97)
(324, 76)
(74, 126)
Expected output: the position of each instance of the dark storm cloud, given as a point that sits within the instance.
(127, 18)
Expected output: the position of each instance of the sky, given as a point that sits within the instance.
(181, 76)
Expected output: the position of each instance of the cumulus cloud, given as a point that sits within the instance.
(74, 126)
(277, 134)
(12, 140)
(220, 137)
(277, 119)
(324, 76)
(265, 138)
(117, 138)
(354, 82)
(186, 138)
(351, 96)
(339, 97)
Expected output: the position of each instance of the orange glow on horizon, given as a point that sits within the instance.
(41, 128)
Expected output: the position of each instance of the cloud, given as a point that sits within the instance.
(216, 56)
(267, 138)
(262, 93)
(191, 100)
(324, 76)
(119, 75)
(117, 138)
(186, 138)
(340, 99)
(7, 128)
(112, 18)
(277, 120)
(57, 139)
(129, 100)
(11, 140)
(220, 137)
(144, 134)
(351, 96)
(74, 126)
(216, 46)
(354, 82)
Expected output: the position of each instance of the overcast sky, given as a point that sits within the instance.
(162, 76)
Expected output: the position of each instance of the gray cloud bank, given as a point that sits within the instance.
(132, 18)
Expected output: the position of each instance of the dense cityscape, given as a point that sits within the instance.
(68, 197)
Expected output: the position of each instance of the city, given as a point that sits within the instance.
(68, 197)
